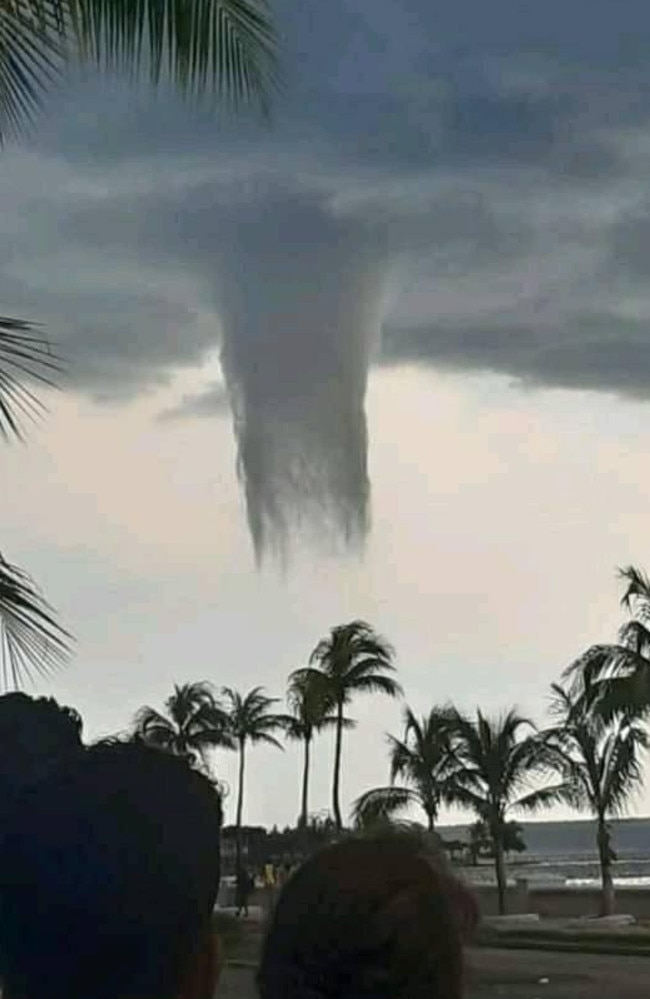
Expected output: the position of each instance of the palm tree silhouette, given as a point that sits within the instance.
(194, 723)
(250, 719)
(311, 711)
(496, 765)
(599, 764)
(616, 677)
(351, 660)
(425, 762)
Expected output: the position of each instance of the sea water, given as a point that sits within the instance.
(565, 853)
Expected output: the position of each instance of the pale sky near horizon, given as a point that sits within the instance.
(504, 161)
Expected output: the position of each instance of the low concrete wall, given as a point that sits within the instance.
(559, 902)
(551, 901)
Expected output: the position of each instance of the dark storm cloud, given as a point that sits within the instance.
(474, 175)
(604, 353)
(114, 346)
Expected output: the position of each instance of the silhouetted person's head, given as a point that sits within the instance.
(368, 919)
(109, 870)
(34, 731)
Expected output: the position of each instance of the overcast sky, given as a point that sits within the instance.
(471, 181)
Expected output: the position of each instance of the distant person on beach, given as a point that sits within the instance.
(368, 919)
(243, 888)
(109, 872)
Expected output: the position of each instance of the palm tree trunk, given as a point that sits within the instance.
(304, 809)
(604, 853)
(336, 804)
(431, 820)
(500, 870)
(240, 806)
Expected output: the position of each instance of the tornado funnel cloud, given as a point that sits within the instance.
(299, 297)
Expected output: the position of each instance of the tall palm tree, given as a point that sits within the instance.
(223, 46)
(194, 723)
(352, 659)
(311, 711)
(600, 768)
(251, 720)
(425, 761)
(616, 677)
(496, 766)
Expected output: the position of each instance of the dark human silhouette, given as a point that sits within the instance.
(368, 919)
(33, 732)
(109, 872)
(243, 889)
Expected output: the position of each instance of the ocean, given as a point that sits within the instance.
(565, 853)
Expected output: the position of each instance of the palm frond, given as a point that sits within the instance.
(31, 59)
(309, 697)
(24, 355)
(635, 636)
(589, 666)
(195, 722)
(251, 716)
(31, 640)
(597, 759)
(210, 727)
(543, 797)
(375, 683)
(226, 45)
(267, 738)
(622, 773)
(381, 804)
(470, 799)
(306, 675)
(496, 764)
(637, 591)
(624, 696)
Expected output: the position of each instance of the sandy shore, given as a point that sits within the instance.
(520, 975)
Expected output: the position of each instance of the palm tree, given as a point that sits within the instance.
(250, 719)
(227, 46)
(598, 762)
(351, 660)
(310, 713)
(617, 676)
(194, 723)
(495, 767)
(425, 761)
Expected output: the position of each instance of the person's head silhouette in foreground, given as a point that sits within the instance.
(33, 731)
(109, 871)
(368, 919)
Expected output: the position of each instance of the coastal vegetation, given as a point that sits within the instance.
(600, 766)
(251, 719)
(495, 768)
(353, 659)
(589, 756)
